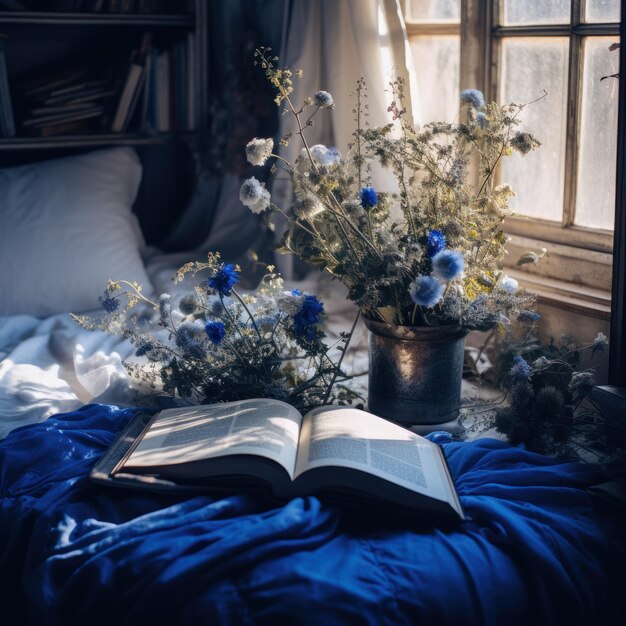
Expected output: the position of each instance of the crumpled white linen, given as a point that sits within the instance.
(53, 365)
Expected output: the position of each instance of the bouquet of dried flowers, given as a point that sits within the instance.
(429, 253)
(216, 344)
(547, 391)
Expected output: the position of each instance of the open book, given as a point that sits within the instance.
(338, 452)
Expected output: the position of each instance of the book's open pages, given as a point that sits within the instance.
(333, 449)
(345, 437)
(258, 427)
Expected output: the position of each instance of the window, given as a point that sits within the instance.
(434, 29)
(514, 50)
(562, 47)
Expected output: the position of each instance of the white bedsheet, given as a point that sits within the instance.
(53, 365)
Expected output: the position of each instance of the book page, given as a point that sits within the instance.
(261, 427)
(345, 437)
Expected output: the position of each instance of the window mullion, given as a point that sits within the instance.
(573, 117)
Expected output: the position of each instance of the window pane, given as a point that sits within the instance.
(595, 200)
(536, 11)
(529, 66)
(436, 59)
(433, 10)
(602, 11)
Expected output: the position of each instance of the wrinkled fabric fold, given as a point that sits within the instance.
(533, 549)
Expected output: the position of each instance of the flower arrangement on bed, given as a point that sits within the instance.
(219, 345)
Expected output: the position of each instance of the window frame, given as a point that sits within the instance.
(579, 258)
(566, 232)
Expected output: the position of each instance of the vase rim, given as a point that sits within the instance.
(416, 333)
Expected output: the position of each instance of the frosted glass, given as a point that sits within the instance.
(536, 11)
(437, 61)
(434, 10)
(602, 11)
(595, 200)
(529, 66)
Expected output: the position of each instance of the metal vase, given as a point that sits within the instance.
(415, 373)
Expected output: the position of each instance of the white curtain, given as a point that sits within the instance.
(336, 42)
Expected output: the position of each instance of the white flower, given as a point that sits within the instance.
(324, 155)
(289, 302)
(508, 284)
(323, 99)
(259, 150)
(254, 195)
(307, 207)
(504, 190)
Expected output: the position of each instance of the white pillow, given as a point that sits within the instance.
(66, 227)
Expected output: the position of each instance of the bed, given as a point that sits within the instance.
(541, 545)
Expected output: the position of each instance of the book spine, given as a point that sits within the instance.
(163, 93)
(191, 81)
(8, 122)
(132, 80)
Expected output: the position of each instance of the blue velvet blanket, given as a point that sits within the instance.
(535, 549)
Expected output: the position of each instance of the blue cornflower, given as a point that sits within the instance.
(369, 199)
(224, 279)
(473, 97)
(215, 331)
(307, 318)
(527, 316)
(436, 242)
(109, 303)
(448, 264)
(481, 119)
(426, 291)
(296, 292)
(521, 370)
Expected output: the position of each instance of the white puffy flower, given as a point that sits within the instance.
(324, 155)
(254, 195)
(259, 150)
(508, 284)
(323, 99)
(290, 301)
(307, 207)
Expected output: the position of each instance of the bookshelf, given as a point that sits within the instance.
(34, 39)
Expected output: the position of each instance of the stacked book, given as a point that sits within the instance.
(63, 101)
(152, 90)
